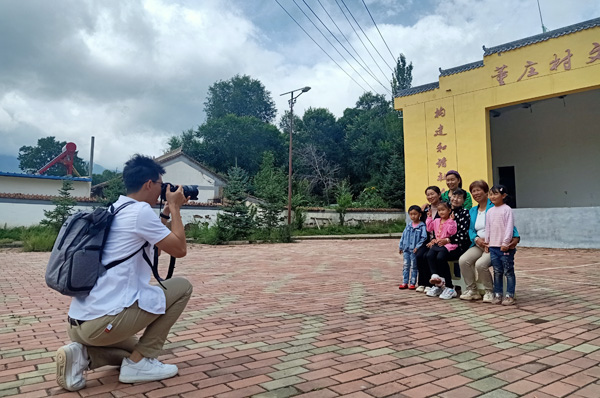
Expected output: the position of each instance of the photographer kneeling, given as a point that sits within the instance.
(103, 324)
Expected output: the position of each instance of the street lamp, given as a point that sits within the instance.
(292, 101)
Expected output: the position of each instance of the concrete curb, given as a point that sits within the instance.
(394, 235)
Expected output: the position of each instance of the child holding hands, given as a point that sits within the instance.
(413, 237)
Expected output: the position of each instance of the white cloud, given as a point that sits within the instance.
(134, 73)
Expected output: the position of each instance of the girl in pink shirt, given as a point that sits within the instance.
(499, 226)
(437, 256)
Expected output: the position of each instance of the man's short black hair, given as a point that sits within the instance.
(138, 170)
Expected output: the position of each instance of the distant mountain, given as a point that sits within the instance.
(10, 164)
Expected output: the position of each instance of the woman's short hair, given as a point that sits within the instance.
(460, 192)
(479, 184)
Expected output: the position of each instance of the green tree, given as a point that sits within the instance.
(373, 135)
(344, 200)
(393, 182)
(106, 175)
(237, 141)
(237, 220)
(402, 76)
(320, 128)
(33, 158)
(270, 185)
(240, 96)
(113, 190)
(64, 205)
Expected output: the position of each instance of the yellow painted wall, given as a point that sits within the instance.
(468, 96)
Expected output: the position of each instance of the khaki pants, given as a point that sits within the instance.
(475, 267)
(110, 347)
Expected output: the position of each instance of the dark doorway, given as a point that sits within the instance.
(506, 177)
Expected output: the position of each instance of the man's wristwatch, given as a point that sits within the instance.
(163, 215)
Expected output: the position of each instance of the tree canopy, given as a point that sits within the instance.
(240, 96)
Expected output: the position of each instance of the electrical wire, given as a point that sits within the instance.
(361, 29)
(388, 47)
(359, 38)
(318, 45)
(364, 65)
(334, 47)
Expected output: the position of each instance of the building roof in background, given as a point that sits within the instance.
(174, 154)
(45, 177)
(461, 68)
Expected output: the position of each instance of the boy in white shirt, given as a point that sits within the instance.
(103, 324)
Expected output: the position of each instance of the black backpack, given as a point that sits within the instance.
(76, 260)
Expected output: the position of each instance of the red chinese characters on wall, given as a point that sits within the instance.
(501, 74)
(594, 54)
(529, 69)
(566, 61)
(439, 132)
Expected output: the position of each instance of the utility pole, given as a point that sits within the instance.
(292, 101)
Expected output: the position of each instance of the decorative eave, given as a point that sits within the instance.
(461, 68)
(542, 37)
(418, 89)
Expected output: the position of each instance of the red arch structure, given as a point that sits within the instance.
(67, 157)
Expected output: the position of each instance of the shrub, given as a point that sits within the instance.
(39, 239)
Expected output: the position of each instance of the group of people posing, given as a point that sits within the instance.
(449, 228)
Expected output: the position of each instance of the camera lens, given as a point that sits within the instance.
(190, 191)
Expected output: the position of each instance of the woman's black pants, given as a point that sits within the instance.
(437, 258)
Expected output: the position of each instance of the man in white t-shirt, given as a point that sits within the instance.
(103, 324)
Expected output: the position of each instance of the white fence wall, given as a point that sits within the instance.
(19, 212)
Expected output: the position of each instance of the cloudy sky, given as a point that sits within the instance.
(132, 73)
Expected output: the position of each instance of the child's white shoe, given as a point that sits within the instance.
(448, 293)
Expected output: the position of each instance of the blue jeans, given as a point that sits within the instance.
(410, 267)
(504, 265)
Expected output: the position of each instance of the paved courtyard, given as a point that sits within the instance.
(325, 319)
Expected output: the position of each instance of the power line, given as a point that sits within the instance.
(361, 29)
(318, 45)
(359, 38)
(388, 47)
(331, 44)
(364, 65)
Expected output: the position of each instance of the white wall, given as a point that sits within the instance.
(15, 213)
(555, 149)
(41, 186)
(181, 172)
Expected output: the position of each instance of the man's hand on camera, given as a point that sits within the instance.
(175, 199)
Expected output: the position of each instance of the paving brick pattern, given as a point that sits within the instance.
(325, 319)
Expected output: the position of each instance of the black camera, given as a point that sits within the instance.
(190, 191)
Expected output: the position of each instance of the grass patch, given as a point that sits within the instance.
(38, 239)
(376, 227)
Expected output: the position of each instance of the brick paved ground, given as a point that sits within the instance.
(325, 319)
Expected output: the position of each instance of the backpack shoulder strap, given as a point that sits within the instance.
(112, 207)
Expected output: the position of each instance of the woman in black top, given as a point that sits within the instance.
(433, 194)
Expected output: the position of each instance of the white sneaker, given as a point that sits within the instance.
(427, 289)
(434, 291)
(448, 293)
(420, 289)
(470, 295)
(148, 369)
(71, 361)
(488, 297)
